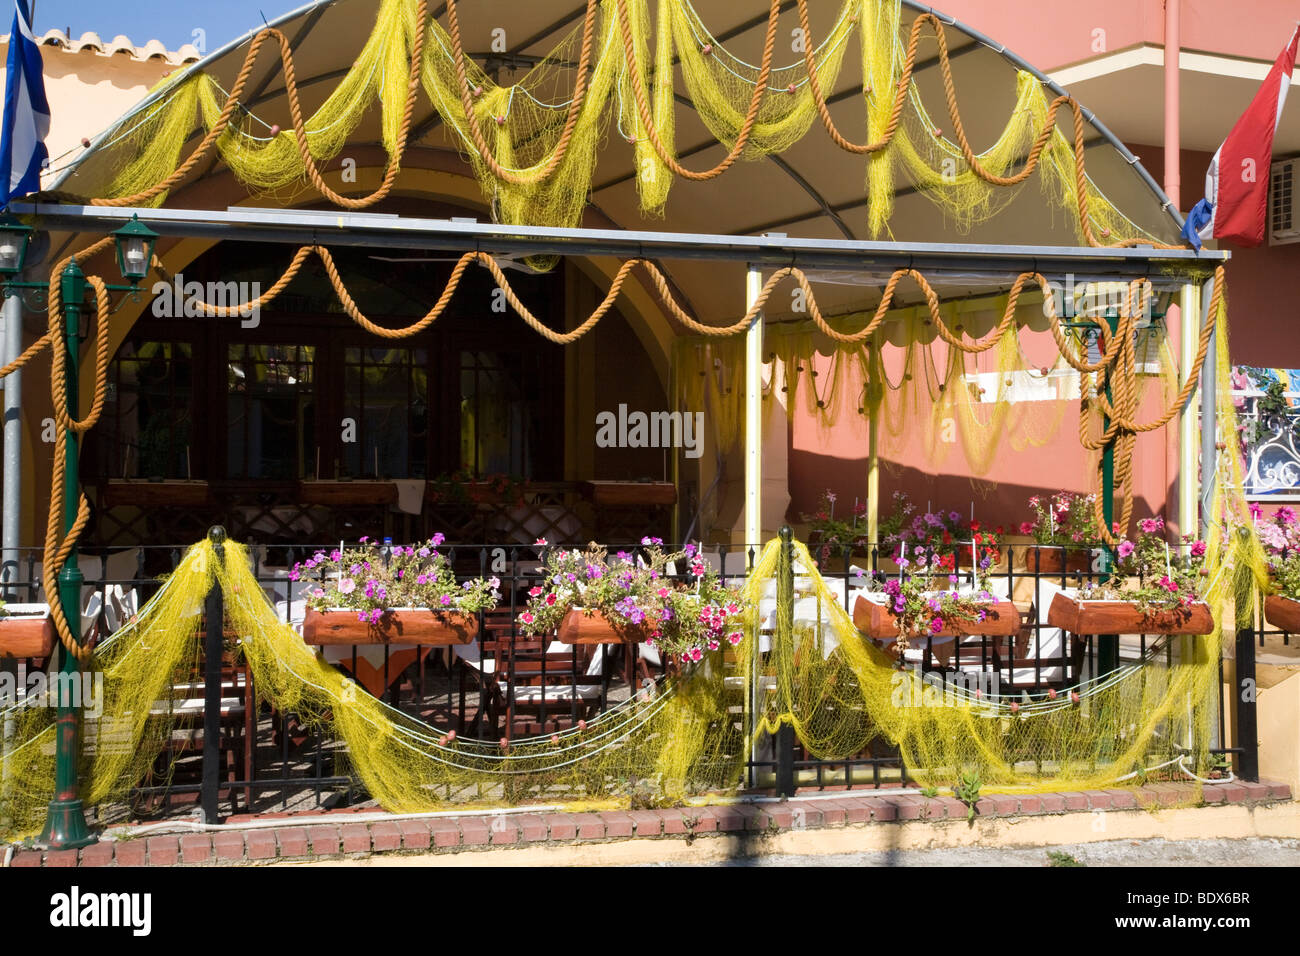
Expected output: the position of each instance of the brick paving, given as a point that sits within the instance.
(350, 838)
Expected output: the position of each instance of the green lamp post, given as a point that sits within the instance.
(65, 824)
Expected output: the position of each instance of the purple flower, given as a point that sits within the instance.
(438, 539)
(936, 625)
(1125, 549)
(375, 615)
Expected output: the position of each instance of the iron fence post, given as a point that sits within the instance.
(784, 635)
(1245, 718)
(214, 617)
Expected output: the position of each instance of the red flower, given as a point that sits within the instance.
(975, 526)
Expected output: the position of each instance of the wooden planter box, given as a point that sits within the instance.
(580, 628)
(1282, 612)
(1124, 617)
(406, 626)
(630, 494)
(1054, 560)
(26, 636)
(877, 622)
(334, 493)
(157, 494)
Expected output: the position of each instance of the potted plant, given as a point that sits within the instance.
(946, 540)
(409, 594)
(1152, 590)
(1065, 533)
(927, 603)
(1280, 537)
(830, 536)
(25, 631)
(588, 597)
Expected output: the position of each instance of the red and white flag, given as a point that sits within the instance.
(1235, 206)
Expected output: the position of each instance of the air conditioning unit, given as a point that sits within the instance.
(1283, 203)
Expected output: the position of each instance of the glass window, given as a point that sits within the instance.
(149, 411)
(499, 412)
(386, 410)
(271, 410)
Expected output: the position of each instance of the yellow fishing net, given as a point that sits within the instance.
(541, 135)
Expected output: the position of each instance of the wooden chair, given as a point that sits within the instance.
(183, 706)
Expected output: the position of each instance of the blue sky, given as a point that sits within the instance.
(172, 21)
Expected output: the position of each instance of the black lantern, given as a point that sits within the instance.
(14, 237)
(134, 249)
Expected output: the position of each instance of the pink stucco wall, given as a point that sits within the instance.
(1056, 34)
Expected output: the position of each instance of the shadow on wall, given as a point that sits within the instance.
(996, 502)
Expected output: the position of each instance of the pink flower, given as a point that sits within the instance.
(1125, 549)
(550, 599)
(347, 586)
(1198, 549)
(526, 617)
(733, 638)
(539, 543)
(1026, 527)
(534, 592)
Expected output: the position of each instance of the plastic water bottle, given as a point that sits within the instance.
(386, 552)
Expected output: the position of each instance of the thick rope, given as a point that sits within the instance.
(299, 129)
(570, 121)
(1117, 364)
(579, 97)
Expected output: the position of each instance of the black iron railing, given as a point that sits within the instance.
(238, 754)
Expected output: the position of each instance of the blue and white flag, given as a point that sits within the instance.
(27, 112)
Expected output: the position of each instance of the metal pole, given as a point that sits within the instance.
(1108, 644)
(753, 413)
(214, 618)
(65, 823)
(13, 447)
(1190, 309)
(1209, 420)
(783, 638)
(873, 470)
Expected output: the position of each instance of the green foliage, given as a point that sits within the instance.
(967, 790)
(639, 592)
(1065, 519)
(834, 535)
(361, 579)
(1061, 858)
(1153, 575)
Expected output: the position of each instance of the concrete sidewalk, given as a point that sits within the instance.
(849, 821)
